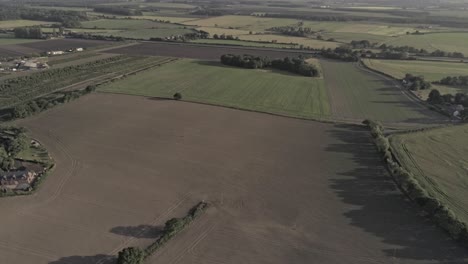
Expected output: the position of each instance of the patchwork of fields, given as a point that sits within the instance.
(277, 195)
(261, 90)
(437, 160)
(431, 70)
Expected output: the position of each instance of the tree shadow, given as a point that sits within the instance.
(269, 69)
(381, 209)
(156, 98)
(141, 231)
(104, 259)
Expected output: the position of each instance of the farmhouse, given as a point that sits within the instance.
(17, 180)
(57, 52)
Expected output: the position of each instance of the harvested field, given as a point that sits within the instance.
(277, 196)
(15, 50)
(206, 52)
(359, 94)
(431, 70)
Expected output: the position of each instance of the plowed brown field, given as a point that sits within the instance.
(282, 190)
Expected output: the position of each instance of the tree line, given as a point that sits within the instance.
(296, 65)
(28, 32)
(461, 81)
(66, 17)
(412, 187)
(297, 31)
(117, 10)
(135, 255)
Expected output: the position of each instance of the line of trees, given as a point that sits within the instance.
(409, 184)
(224, 36)
(296, 65)
(66, 17)
(297, 31)
(436, 98)
(28, 32)
(422, 52)
(117, 10)
(454, 81)
(135, 255)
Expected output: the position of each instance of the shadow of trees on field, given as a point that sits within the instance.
(382, 209)
(141, 231)
(104, 259)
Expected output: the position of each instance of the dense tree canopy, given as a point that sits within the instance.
(295, 65)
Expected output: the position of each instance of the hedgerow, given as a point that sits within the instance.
(408, 183)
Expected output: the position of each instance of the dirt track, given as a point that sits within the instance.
(283, 190)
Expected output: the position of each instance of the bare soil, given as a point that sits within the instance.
(195, 51)
(282, 190)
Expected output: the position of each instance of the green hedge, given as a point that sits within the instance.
(175, 226)
(409, 184)
(171, 229)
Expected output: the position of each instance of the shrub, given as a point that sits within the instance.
(130, 255)
(177, 96)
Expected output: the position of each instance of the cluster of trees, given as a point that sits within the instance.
(28, 32)
(208, 12)
(297, 31)
(435, 97)
(454, 81)
(134, 255)
(295, 65)
(13, 140)
(341, 53)
(416, 83)
(224, 36)
(41, 104)
(410, 185)
(66, 17)
(361, 44)
(245, 61)
(440, 53)
(117, 10)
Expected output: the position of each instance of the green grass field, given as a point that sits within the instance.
(437, 158)
(357, 94)
(261, 90)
